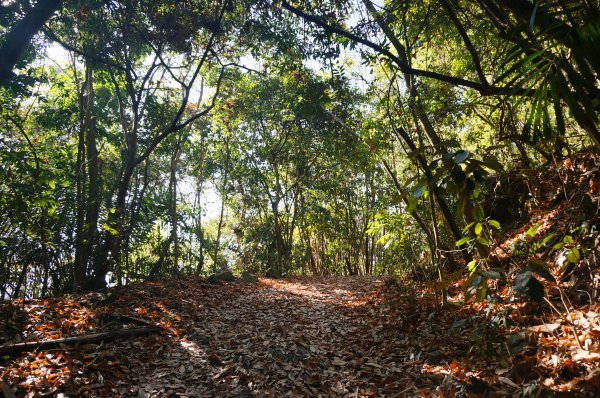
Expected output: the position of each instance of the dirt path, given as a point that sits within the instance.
(327, 337)
(307, 337)
(301, 338)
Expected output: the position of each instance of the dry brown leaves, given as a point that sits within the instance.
(328, 337)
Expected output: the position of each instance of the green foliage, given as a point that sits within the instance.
(325, 157)
(526, 282)
(539, 65)
(484, 330)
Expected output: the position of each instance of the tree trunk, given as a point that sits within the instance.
(20, 282)
(223, 199)
(111, 250)
(199, 230)
(86, 174)
(173, 203)
(19, 37)
(44, 257)
(79, 266)
(93, 167)
(435, 253)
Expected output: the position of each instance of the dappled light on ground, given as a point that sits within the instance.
(337, 337)
(315, 290)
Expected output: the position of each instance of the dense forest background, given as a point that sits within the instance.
(146, 139)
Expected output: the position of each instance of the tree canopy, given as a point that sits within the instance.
(337, 137)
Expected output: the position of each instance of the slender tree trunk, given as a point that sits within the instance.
(223, 200)
(111, 250)
(4, 275)
(289, 241)
(279, 242)
(173, 203)
(440, 200)
(19, 37)
(20, 282)
(80, 266)
(435, 253)
(93, 167)
(44, 257)
(136, 206)
(87, 174)
(199, 229)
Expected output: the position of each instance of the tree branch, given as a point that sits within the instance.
(13, 349)
(482, 88)
(79, 51)
(19, 37)
(470, 47)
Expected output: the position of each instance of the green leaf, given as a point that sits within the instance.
(476, 281)
(532, 18)
(535, 290)
(478, 213)
(532, 230)
(522, 280)
(527, 284)
(460, 206)
(493, 275)
(52, 184)
(459, 323)
(574, 106)
(461, 156)
(541, 268)
(558, 113)
(494, 224)
(465, 229)
(573, 255)
(478, 228)
(110, 230)
(412, 204)
(472, 266)
(493, 163)
(481, 293)
(483, 241)
(547, 239)
(462, 241)
(420, 191)
(459, 175)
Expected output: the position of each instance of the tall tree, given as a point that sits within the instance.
(19, 36)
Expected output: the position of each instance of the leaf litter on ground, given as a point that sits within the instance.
(328, 337)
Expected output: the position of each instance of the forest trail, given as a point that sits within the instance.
(306, 337)
(452, 146)
(300, 336)
(329, 337)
